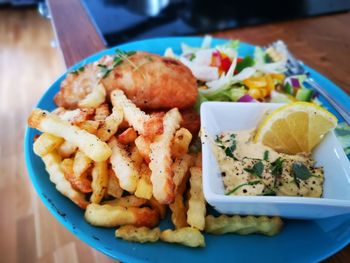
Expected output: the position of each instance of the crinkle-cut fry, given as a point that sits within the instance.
(80, 183)
(187, 236)
(81, 163)
(113, 188)
(154, 125)
(99, 181)
(101, 112)
(162, 174)
(134, 116)
(76, 116)
(93, 147)
(90, 126)
(181, 176)
(147, 125)
(123, 167)
(181, 168)
(160, 208)
(181, 142)
(95, 98)
(144, 187)
(111, 216)
(243, 225)
(135, 156)
(111, 124)
(46, 143)
(143, 144)
(52, 165)
(127, 136)
(66, 149)
(196, 203)
(138, 234)
(179, 212)
(127, 201)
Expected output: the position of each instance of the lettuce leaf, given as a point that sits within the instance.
(225, 93)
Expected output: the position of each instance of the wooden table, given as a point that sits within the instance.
(321, 42)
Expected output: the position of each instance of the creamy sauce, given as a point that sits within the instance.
(250, 168)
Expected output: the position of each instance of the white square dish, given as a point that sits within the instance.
(217, 117)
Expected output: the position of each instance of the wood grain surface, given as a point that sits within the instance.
(28, 64)
(77, 35)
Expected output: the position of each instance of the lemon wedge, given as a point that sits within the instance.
(295, 128)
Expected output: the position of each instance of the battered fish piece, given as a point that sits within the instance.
(150, 81)
(190, 120)
(76, 86)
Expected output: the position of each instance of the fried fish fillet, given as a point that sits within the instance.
(150, 81)
(76, 86)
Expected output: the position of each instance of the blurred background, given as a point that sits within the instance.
(125, 20)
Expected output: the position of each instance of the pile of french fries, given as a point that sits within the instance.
(126, 168)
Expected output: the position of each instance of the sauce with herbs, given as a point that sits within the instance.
(250, 168)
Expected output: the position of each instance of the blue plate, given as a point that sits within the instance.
(300, 241)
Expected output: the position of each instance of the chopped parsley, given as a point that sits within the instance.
(241, 185)
(266, 155)
(277, 167)
(256, 170)
(192, 57)
(104, 70)
(219, 142)
(231, 148)
(81, 69)
(300, 172)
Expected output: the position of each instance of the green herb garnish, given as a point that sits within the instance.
(300, 172)
(256, 170)
(266, 155)
(81, 69)
(277, 167)
(241, 185)
(104, 70)
(230, 149)
(192, 57)
(124, 56)
(219, 142)
(117, 60)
